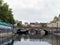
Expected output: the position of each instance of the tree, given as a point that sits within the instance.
(19, 25)
(43, 25)
(6, 13)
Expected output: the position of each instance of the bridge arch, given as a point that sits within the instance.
(32, 32)
(46, 32)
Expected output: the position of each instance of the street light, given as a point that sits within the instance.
(57, 25)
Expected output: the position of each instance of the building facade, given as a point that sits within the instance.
(35, 25)
(55, 23)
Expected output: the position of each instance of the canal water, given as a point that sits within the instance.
(35, 40)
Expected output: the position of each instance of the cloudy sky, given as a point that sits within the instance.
(34, 10)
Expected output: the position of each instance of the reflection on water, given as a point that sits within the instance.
(35, 40)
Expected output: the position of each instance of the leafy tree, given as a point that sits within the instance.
(43, 25)
(6, 13)
(19, 25)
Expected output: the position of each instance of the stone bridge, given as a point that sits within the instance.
(32, 31)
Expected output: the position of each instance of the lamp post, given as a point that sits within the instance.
(52, 28)
(57, 26)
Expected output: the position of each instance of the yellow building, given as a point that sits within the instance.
(55, 22)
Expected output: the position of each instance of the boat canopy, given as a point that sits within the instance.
(5, 25)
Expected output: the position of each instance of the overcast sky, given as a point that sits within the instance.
(34, 10)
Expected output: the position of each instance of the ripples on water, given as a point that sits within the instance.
(35, 40)
(31, 42)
